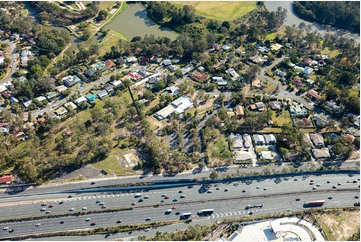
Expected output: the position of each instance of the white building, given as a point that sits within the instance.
(178, 106)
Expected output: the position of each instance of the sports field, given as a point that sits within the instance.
(220, 10)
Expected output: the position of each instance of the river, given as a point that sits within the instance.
(133, 21)
(293, 19)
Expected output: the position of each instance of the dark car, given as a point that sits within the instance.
(357, 204)
(61, 222)
(180, 192)
(243, 190)
(226, 190)
(61, 202)
(297, 199)
(93, 223)
(70, 196)
(92, 183)
(140, 200)
(119, 221)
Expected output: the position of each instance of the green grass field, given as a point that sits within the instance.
(220, 10)
(283, 118)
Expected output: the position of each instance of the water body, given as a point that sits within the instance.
(292, 19)
(133, 21)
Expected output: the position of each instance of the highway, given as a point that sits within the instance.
(280, 195)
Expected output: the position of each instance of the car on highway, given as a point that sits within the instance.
(11, 230)
(357, 204)
(258, 187)
(243, 190)
(43, 209)
(162, 201)
(70, 196)
(175, 200)
(288, 209)
(47, 212)
(140, 200)
(312, 181)
(318, 185)
(37, 225)
(329, 197)
(61, 202)
(166, 197)
(183, 196)
(5, 228)
(133, 203)
(226, 190)
(146, 230)
(328, 181)
(163, 195)
(93, 223)
(71, 209)
(339, 183)
(147, 219)
(217, 188)
(354, 181)
(137, 195)
(84, 208)
(146, 197)
(118, 221)
(265, 189)
(295, 179)
(314, 188)
(356, 196)
(44, 204)
(61, 222)
(297, 199)
(180, 191)
(98, 201)
(250, 212)
(177, 213)
(209, 191)
(334, 186)
(51, 206)
(173, 208)
(87, 219)
(103, 206)
(92, 183)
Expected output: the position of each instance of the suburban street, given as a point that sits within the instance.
(280, 193)
(13, 63)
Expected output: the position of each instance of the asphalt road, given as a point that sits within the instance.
(280, 195)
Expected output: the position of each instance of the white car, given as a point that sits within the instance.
(258, 187)
(71, 209)
(43, 209)
(37, 225)
(146, 230)
(47, 212)
(84, 208)
(5, 228)
(87, 219)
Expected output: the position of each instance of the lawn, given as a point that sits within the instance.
(283, 118)
(220, 10)
(331, 54)
(111, 39)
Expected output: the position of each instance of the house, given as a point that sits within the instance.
(144, 73)
(60, 111)
(226, 47)
(332, 107)
(307, 70)
(109, 88)
(317, 140)
(319, 121)
(51, 95)
(198, 77)
(70, 106)
(256, 83)
(258, 139)
(27, 103)
(13, 100)
(91, 98)
(109, 64)
(6, 179)
(297, 110)
(172, 68)
(6, 94)
(297, 82)
(167, 62)
(70, 80)
(131, 59)
(266, 155)
(172, 90)
(101, 94)
(314, 94)
(260, 106)
(22, 79)
(247, 141)
(134, 75)
(2, 58)
(275, 105)
(279, 73)
(154, 78)
(298, 69)
(24, 54)
(2, 88)
(15, 36)
(90, 72)
(263, 49)
(222, 82)
(321, 153)
(80, 100)
(270, 139)
(178, 106)
(116, 83)
(21, 136)
(276, 47)
(187, 69)
(288, 45)
(201, 69)
(4, 130)
(61, 88)
(241, 156)
(237, 143)
(233, 73)
(307, 61)
(40, 99)
(239, 111)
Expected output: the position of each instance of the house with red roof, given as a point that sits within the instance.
(109, 64)
(6, 179)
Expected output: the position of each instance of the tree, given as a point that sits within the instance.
(213, 175)
(102, 15)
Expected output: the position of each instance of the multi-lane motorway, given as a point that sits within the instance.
(227, 199)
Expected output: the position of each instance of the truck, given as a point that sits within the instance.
(185, 215)
(317, 203)
(205, 212)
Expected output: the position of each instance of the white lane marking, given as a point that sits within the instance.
(235, 213)
(239, 212)
(113, 195)
(122, 195)
(221, 215)
(98, 196)
(79, 198)
(225, 214)
(108, 195)
(104, 196)
(84, 198)
(118, 195)
(217, 215)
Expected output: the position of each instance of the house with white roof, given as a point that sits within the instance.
(259, 139)
(233, 73)
(270, 139)
(178, 106)
(70, 80)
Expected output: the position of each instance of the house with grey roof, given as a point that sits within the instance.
(259, 139)
(317, 140)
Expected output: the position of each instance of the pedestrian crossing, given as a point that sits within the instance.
(234, 213)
